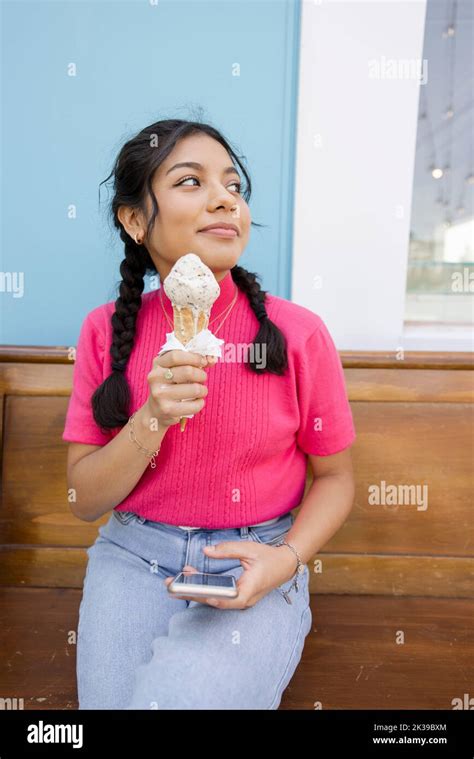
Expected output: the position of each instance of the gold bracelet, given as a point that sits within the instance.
(150, 454)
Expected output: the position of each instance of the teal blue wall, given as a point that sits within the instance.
(136, 63)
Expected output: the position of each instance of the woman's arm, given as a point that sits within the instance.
(326, 505)
(101, 479)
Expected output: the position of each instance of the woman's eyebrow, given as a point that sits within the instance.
(199, 167)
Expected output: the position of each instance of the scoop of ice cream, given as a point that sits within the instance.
(191, 283)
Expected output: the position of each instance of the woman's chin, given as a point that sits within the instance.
(218, 260)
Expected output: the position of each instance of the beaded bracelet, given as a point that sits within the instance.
(150, 454)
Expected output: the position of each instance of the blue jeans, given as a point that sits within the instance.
(140, 648)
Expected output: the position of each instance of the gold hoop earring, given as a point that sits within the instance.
(137, 241)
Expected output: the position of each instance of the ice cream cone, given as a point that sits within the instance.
(192, 289)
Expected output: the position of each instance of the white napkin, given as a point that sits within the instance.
(205, 343)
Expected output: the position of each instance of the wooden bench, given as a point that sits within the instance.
(391, 572)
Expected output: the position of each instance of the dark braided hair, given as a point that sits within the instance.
(133, 173)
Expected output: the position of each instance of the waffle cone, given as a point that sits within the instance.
(185, 325)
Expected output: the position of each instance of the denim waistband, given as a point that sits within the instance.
(258, 524)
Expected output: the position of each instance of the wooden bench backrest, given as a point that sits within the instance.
(414, 423)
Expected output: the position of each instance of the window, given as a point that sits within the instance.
(440, 277)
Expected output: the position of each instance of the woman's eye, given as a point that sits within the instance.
(187, 179)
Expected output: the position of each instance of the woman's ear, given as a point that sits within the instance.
(128, 217)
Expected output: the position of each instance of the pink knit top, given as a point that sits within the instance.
(242, 459)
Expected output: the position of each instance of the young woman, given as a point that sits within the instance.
(217, 497)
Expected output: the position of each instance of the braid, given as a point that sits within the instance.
(127, 306)
(128, 303)
(268, 334)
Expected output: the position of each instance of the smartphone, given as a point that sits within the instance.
(205, 584)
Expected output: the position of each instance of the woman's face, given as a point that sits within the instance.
(190, 198)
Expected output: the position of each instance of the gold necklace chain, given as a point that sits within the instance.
(227, 314)
(228, 309)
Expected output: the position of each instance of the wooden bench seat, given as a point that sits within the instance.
(350, 661)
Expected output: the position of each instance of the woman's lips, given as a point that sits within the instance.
(219, 232)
